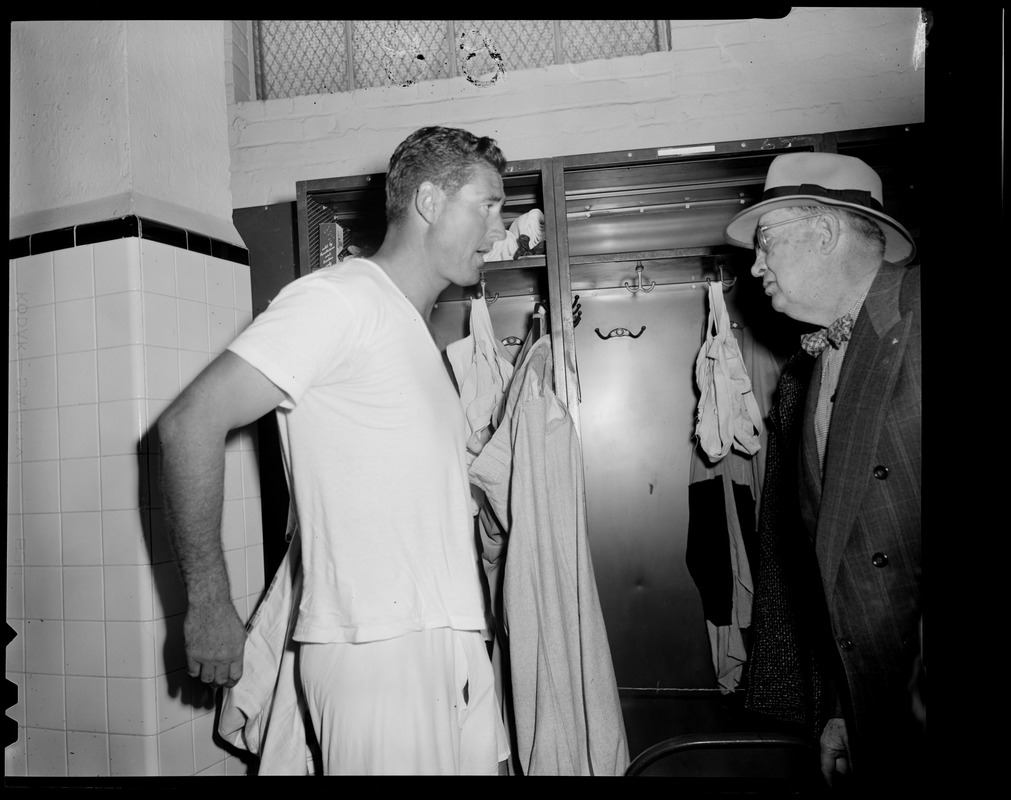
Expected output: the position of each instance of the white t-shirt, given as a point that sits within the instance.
(373, 438)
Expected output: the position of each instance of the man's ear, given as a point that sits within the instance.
(829, 228)
(428, 201)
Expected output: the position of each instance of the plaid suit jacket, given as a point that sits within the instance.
(865, 514)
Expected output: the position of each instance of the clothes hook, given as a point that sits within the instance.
(726, 285)
(484, 294)
(620, 332)
(639, 287)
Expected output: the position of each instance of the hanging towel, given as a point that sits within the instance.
(566, 708)
(482, 372)
(728, 414)
(265, 711)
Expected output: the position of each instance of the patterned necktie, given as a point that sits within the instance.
(835, 334)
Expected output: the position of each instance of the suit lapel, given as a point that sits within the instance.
(868, 375)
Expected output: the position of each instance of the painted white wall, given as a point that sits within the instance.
(817, 70)
(110, 118)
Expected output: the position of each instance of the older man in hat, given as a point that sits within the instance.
(828, 254)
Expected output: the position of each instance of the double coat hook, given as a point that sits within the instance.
(639, 287)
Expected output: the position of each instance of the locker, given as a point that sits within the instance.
(634, 239)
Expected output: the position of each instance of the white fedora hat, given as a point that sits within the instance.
(830, 179)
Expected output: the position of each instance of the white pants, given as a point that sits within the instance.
(419, 704)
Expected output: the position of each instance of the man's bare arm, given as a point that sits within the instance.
(228, 394)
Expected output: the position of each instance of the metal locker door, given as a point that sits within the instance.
(637, 418)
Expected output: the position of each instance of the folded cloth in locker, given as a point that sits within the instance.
(265, 713)
(728, 414)
(530, 225)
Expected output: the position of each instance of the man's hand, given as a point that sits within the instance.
(215, 639)
(834, 750)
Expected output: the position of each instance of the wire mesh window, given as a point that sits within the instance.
(301, 57)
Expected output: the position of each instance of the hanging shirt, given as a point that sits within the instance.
(565, 697)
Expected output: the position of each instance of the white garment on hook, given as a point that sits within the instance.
(728, 414)
(482, 373)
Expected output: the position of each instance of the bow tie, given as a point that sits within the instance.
(835, 334)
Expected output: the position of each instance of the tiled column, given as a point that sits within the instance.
(102, 336)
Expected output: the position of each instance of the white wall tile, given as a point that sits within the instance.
(129, 593)
(162, 372)
(84, 593)
(193, 326)
(243, 287)
(82, 538)
(133, 706)
(46, 753)
(14, 495)
(233, 475)
(17, 711)
(175, 750)
(36, 386)
(207, 753)
(74, 273)
(124, 482)
(87, 755)
(84, 648)
(254, 572)
(121, 373)
(174, 706)
(40, 434)
(158, 267)
(37, 336)
(15, 541)
(132, 755)
(120, 318)
(75, 325)
(44, 701)
(126, 540)
(79, 431)
(220, 282)
(161, 323)
(42, 540)
(34, 276)
(235, 563)
(122, 424)
(44, 593)
(117, 266)
(16, 758)
(250, 467)
(80, 484)
(132, 649)
(15, 596)
(86, 704)
(40, 486)
(77, 377)
(242, 320)
(254, 522)
(220, 328)
(191, 276)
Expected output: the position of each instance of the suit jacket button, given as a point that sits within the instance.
(879, 560)
(881, 472)
(845, 643)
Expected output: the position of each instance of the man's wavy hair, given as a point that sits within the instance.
(444, 156)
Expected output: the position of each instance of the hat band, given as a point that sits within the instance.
(854, 196)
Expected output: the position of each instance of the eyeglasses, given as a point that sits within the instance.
(762, 241)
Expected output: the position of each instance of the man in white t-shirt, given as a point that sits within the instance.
(392, 660)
